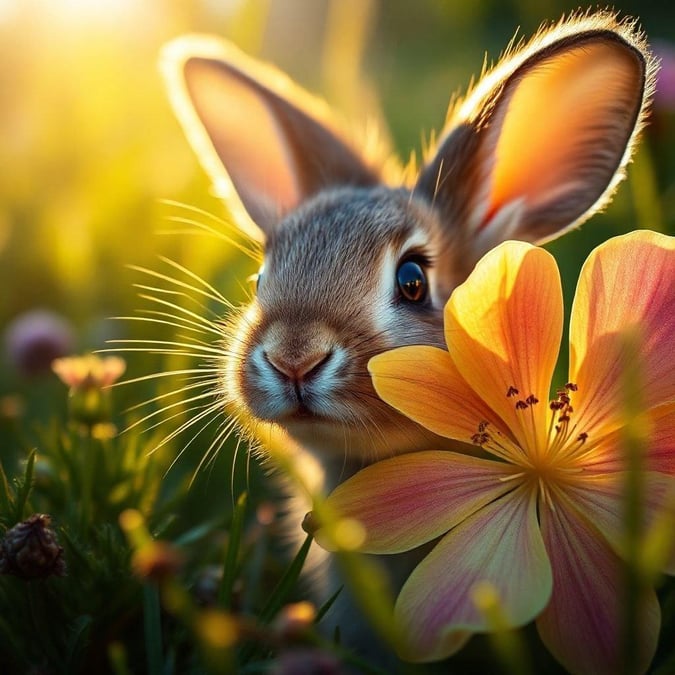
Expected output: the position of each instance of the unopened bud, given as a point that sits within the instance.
(30, 550)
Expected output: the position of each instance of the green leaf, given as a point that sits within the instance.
(78, 641)
(286, 584)
(152, 622)
(327, 605)
(195, 534)
(24, 488)
(6, 496)
(232, 554)
(280, 594)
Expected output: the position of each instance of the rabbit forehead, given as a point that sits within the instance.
(334, 246)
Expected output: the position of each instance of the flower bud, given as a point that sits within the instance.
(30, 550)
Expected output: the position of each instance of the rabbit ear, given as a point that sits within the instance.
(266, 144)
(543, 139)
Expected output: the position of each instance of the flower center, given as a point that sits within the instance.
(556, 461)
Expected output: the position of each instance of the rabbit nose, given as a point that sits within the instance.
(296, 368)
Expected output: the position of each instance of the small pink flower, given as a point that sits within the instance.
(89, 402)
(89, 371)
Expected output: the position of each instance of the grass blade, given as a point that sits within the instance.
(230, 565)
(25, 487)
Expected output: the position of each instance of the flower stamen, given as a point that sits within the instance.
(581, 448)
(496, 443)
(545, 494)
(562, 410)
(513, 476)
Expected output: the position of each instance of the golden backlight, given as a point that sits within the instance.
(577, 83)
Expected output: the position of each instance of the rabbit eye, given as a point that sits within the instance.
(412, 281)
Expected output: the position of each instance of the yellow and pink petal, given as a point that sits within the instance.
(409, 500)
(626, 286)
(424, 384)
(500, 545)
(582, 624)
(602, 499)
(503, 327)
(658, 453)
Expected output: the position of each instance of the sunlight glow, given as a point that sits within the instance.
(71, 11)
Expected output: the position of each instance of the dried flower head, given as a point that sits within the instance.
(30, 550)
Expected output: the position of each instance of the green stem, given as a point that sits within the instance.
(152, 624)
(87, 463)
(41, 626)
(230, 565)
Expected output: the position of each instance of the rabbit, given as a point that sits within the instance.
(359, 258)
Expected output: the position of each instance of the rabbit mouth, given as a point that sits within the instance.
(304, 414)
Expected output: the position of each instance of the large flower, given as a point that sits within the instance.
(539, 515)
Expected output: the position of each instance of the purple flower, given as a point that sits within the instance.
(34, 339)
(664, 97)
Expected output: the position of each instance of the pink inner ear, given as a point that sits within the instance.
(246, 138)
(564, 128)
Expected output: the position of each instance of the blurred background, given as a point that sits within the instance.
(89, 146)
(90, 152)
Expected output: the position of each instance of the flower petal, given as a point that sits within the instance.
(602, 499)
(582, 624)
(627, 284)
(501, 545)
(503, 327)
(408, 500)
(609, 454)
(424, 384)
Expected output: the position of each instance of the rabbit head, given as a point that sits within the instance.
(355, 263)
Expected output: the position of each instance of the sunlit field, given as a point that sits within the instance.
(159, 549)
